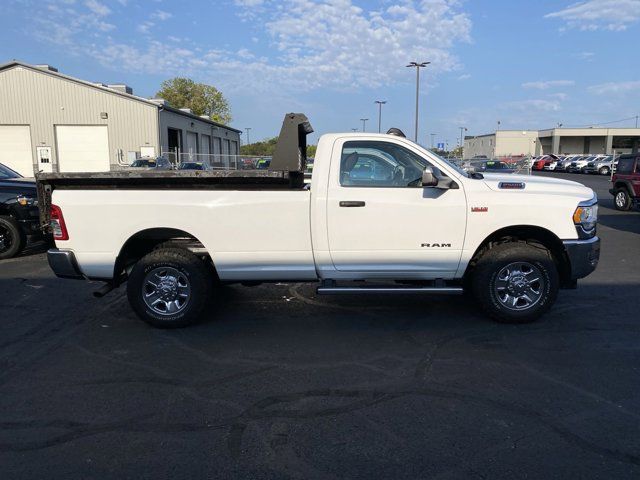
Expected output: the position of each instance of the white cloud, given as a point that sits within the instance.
(615, 87)
(464, 76)
(588, 56)
(542, 105)
(547, 84)
(161, 15)
(599, 14)
(98, 8)
(315, 44)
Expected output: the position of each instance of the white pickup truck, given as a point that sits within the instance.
(381, 215)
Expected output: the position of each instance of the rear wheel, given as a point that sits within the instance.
(170, 288)
(516, 282)
(11, 238)
(604, 171)
(622, 199)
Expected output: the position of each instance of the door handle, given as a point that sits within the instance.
(352, 203)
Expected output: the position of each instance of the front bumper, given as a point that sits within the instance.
(64, 264)
(583, 256)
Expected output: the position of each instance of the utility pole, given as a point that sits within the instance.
(636, 121)
(248, 129)
(433, 136)
(380, 103)
(364, 124)
(417, 66)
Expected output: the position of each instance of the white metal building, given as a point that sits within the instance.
(559, 141)
(53, 122)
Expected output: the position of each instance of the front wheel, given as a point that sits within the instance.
(170, 288)
(11, 238)
(621, 199)
(604, 171)
(516, 282)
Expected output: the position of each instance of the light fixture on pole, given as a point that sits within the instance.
(380, 103)
(248, 129)
(364, 124)
(417, 66)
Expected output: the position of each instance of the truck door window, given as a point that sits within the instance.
(379, 164)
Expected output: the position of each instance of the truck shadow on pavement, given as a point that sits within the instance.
(626, 222)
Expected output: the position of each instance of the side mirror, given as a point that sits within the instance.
(428, 178)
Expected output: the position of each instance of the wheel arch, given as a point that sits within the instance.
(529, 234)
(626, 184)
(145, 241)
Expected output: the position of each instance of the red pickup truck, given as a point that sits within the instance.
(626, 182)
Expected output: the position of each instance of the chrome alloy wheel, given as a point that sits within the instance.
(519, 286)
(166, 290)
(621, 199)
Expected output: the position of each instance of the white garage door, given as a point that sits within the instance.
(15, 148)
(82, 148)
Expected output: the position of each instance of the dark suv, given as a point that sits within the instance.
(626, 182)
(19, 216)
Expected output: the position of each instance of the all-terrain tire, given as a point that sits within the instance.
(488, 287)
(179, 274)
(12, 239)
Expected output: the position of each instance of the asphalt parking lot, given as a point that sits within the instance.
(279, 383)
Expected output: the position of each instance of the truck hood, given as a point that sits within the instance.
(538, 184)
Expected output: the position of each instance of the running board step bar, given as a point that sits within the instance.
(388, 290)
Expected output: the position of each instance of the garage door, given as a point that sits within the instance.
(192, 143)
(206, 142)
(82, 148)
(15, 148)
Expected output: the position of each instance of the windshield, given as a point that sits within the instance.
(6, 173)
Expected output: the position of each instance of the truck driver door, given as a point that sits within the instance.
(382, 222)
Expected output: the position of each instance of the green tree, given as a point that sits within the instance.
(267, 147)
(202, 99)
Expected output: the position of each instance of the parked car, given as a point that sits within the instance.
(427, 227)
(494, 166)
(563, 165)
(550, 162)
(263, 163)
(601, 166)
(158, 163)
(194, 166)
(626, 182)
(576, 165)
(19, 215)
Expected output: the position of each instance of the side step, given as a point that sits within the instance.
(333, 290)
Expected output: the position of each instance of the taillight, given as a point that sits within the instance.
(58, 226)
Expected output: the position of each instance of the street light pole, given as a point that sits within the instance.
(380, 103)
(247, 129)
(417, 66)
(462, 130)
(364, 124)
(433, 136)
(354, 129)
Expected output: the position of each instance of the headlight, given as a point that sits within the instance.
(24, 200)
(585, 218)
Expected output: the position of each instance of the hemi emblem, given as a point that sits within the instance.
(480, 209)
(511, 185)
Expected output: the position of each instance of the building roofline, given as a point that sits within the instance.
(196, 117)
(17, 63)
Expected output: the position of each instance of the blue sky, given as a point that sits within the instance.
(528, 64)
